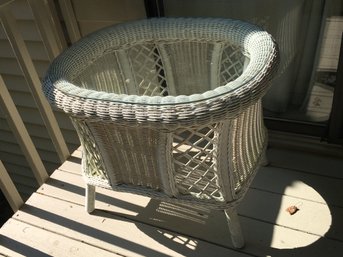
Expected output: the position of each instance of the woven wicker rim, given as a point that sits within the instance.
(242, 34)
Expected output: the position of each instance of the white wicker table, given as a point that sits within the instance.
(169, 108)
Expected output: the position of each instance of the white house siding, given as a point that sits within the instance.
(90, 15)
(10, 152)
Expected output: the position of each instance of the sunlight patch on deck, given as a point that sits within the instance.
(311, 217)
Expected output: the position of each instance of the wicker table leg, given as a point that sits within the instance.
(90, 198)
(235, 227)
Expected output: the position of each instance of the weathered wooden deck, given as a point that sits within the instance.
(53, 221)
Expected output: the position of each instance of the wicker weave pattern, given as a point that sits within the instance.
(146, 62)
(92, 162)
(169, 108)
(232, 64)
(249, 139)
(195, 170)
(219, 101)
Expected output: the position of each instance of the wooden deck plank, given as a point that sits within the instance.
(132, 225)
(286, 181)
(316, 188)
(73, 163)
(258, 205)
(307, 162)
(265, 239)
(21, 239)
(110, 232)
(271, 208)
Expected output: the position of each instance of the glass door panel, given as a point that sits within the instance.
(301, 95)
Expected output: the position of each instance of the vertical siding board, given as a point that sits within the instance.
(34, 83)
(9, 189)
(77, 16)
(17, 125)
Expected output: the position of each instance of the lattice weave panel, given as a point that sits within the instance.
(232, 64)
(195, 168)
(148, 70)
